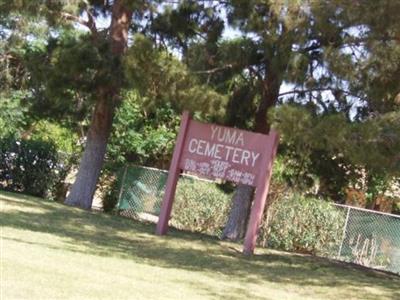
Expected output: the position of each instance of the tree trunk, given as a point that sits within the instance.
(236, 225)
(83, 189)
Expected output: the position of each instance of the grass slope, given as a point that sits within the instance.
(50, 251)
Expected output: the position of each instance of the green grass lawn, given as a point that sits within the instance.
(50, 251)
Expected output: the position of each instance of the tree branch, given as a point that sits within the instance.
(90, 23)
(255, 72)
(304, 91)
(322, 90)
(314, 46)
(215, 70)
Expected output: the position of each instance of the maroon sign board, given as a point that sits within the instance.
(218, 152)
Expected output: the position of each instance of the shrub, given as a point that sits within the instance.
(141, 135)
(13, 115)
(109, 187)
(300, 224)
(200, 206)
(62, 137)
(29, 166)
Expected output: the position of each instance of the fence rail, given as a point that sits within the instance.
(369, 238)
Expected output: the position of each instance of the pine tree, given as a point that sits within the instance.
(327, 54)
(112, 43)
(81, 68)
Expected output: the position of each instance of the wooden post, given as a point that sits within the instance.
(173, 175)
(260, 196)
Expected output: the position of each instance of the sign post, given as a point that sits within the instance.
(173, 175)
(260, 197)
(214, 151)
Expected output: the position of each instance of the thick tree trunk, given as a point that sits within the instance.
(236, 225)
(238, 216)
(83, 189)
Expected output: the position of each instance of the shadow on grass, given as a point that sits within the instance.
(105, 235)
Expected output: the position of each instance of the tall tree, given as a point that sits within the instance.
(282, 42)
(110, 44)
(14, 76)
(125, 16)
(83, 67)
(322, 52)
(108, 96)
(315, 50)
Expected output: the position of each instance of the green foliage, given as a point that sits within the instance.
(147, 121)
(200, 206)
(62, 137)
(160, 78)
(350, 50)
(141, 136)
(396, 207)
(304, 148)
(66, 72)
(329, 152)
(29, 166)
(186, 21)
(304, 225)
(12, 116)
(109, 188)
(378, 143)
(375, 74)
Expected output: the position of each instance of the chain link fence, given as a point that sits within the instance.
(141, 192)
(369, 238)
(200, 205)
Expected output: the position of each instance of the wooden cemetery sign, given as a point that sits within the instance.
(214, 151)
